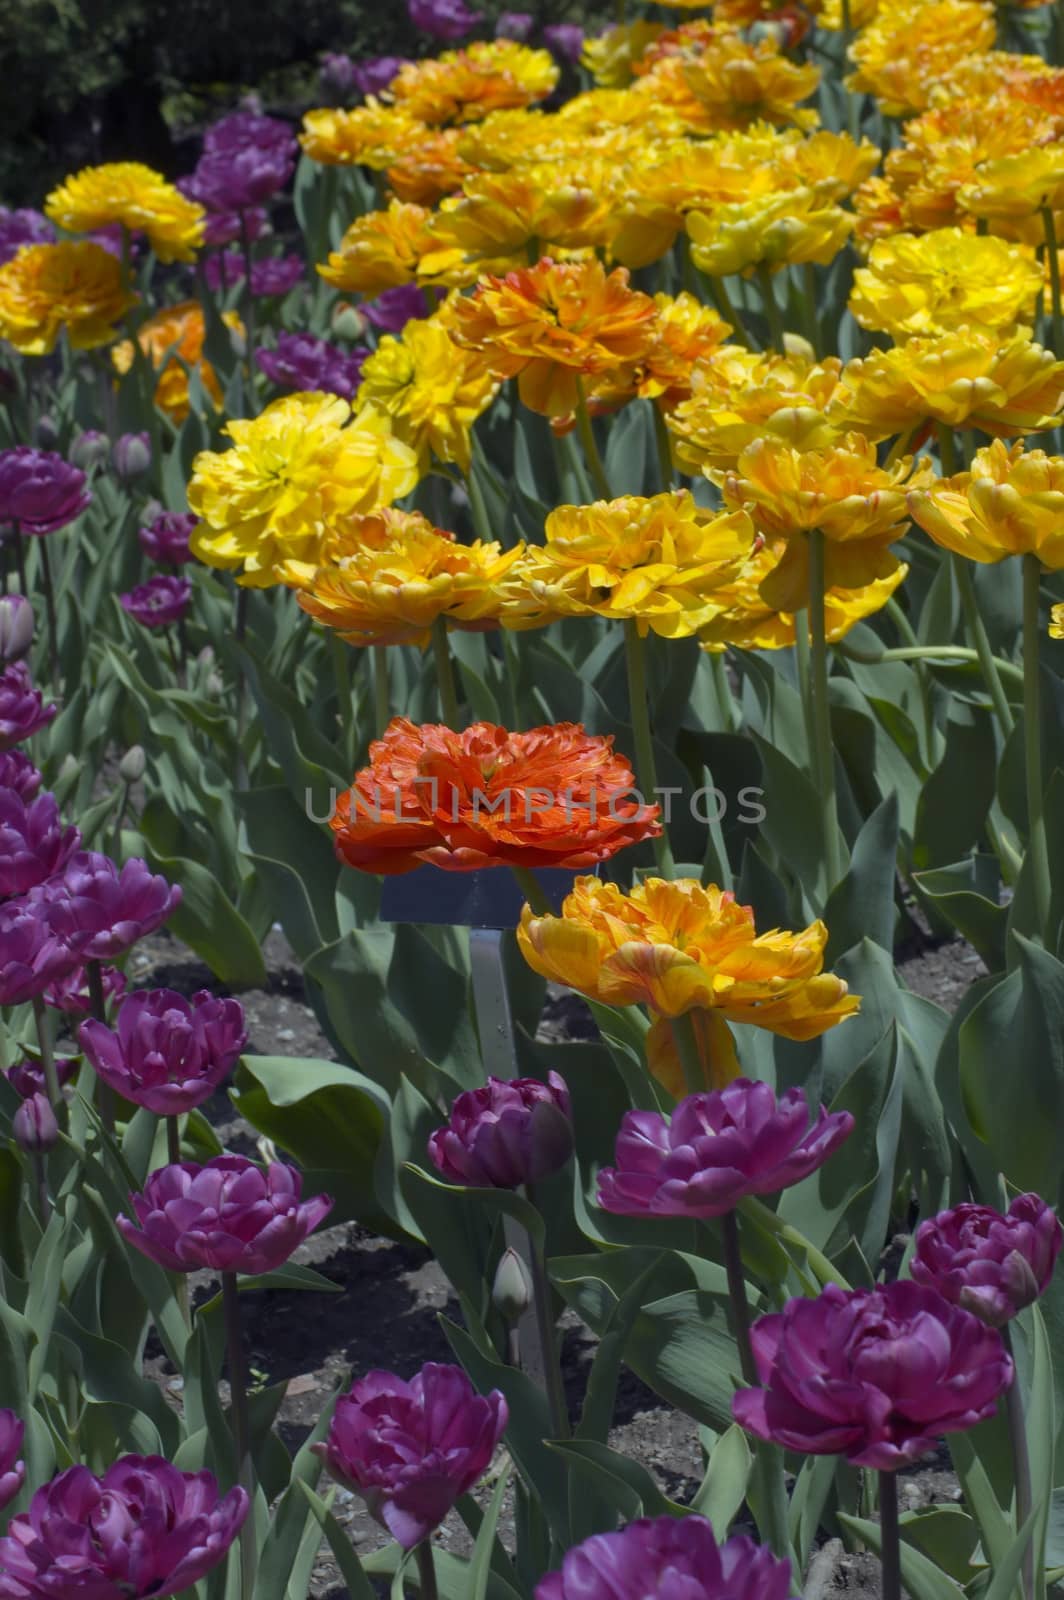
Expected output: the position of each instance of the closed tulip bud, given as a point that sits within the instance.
(16, 627)
(348, 323)
(45, 434)
(34, 1125)
(90, 449)
(131, 767)
(511, 1293)
(131, 455)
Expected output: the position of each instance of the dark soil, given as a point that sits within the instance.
(390, 1294)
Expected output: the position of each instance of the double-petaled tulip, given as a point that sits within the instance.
(442, 19)
(142, 1531)
(991, 1265)
(773, 230)
(716, 1149)
(226, 1216)
(27, 1077)
(129, 194)
(99, 909)
(40, 490)
(943, 281)
(505, 1134)
(676, 1558)
(16, 627)
(71, 993)
(20, 228)
(271, 275)
(18, 774)
(22, 707)
(878, 1375)
(31, 956)
(47, 289)
(412, 1449)
(301, 362)
(432, 389)
(552, 797)
(165, 1052)
(465, 85)
(166, 537)
(391, 311)
(172, 340)
(1010, 503)
(12, 1467)
(159, 602)
(34, 844)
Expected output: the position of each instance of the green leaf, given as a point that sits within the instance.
(862, 905)
(921, 1577)
(296, 858)
(483, 1551)
(208, 920)
(953, 805)
(624, 1482)
(723, 1489)
(964, 894)
(358, 1585)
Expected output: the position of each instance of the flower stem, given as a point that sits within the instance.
(929, 652)
(723, 302)
(173, 1140)
(105, 1095)
(548, 1336)
(767, 1219)
(809, 295)
(1053, 262)
(531, 890)
(238, 1412)
(664, 449)
(771, 304)
(49, 610)
(445, 683)
(820, 717)
(240, 628)
(44, 1040)
(733, 1266)
(20, 561)
(382, 700)
(985, 656)
(1021, 1464)
(1032, 730)
(591, 450)
(890, 1551)
(426, 1571)
(683, 1033)
(639, 712)
(342, 681)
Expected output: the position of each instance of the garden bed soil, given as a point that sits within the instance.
(390, 1295)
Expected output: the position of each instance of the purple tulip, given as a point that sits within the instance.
(877, 1375)
(505, 1134)
(90, 449)
(442, 19)
(22, 707)
(16, 627)
(226, 227)
(39, 490)
(990, 1264)
(98, 909)
(165, 1052)
(18, 773)
(12, 1469)
(302, 362)
(674, 1558)
(34, 844)
(166, 538)
(275, 275)
(19, 228)
(227, 1216)
(717, 1148)
(159, 602)
(249, 130)
(34, 1126)
(391, 311)
(412, 1449)
(28, 1078)
(131, 455)
(71, 994)
(565, 40)
(31, 957)
(371, 76)
(236, 181)
(514, 25)
(143, 1529)
(336, 74)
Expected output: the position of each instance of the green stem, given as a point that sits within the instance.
(529, 885)
(548, 1336)
(49, 608)
(1021, 1465)
(382, 701)
(639, 713)
(771, 305)
(901, 622)
(426, 1571)
(804, 669)
(809, 311)
(105, 1095)
(722, 300)
(767, 1219)
(1053, 261)
(686, 1042)
(445, 683)
(240, 628)
(238, 1412)
(44, 1040)
(587, 439)
(820, 718)
(733, 1266)
(478, 508)
(173, 1157)
(890, 1551)
(664, 449)
(173, 1140)
(944, 653)
(722, 690)
(974, 621)
(20, 561)
(341, 666)
(1032, 729)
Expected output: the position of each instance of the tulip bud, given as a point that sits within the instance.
(131, 767)
(131, 455)
(511, 1293)
(34, 1125)
(16, 627)
(90, 449)
(45, 434)
(348, 323)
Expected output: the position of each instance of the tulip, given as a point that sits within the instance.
(166, 538)
(31, 957)
(413, 1449)
(248, 130)
(716, 1149)
(302, 362)
(98, 909)
(12, 1470)
(228, 1216)
(22, 707)
(391, 311)
(34, 844)
(506, 1134)
(70, 993)
(131, 455)
(17, 773)
(371, 76)
(159, 602)
(90, 449)
(27, 1077)
(878, 1375)
(512, 1290)
(991, 1265)
(34, 1125)
(275, 275)
(165, 1052)
(564, 40)
(16, 627)
(22, 227)
(514, 25)
(39, 490)
(442, 19)
(132, 766)
(678, 1558)
(337, 75)
(142, 1529)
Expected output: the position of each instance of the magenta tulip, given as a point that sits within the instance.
(22, 708)
(166, 538)
(674, 1558)
(165, 1052)
(19, 775)
(98, 909)
(990, 1264)
(31, 956)
(70, 993)
(302, 362)
(161, 601)
(40, 490)
(12, 1467)
(27, 1077)
(510, 1132)
(34, 843)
